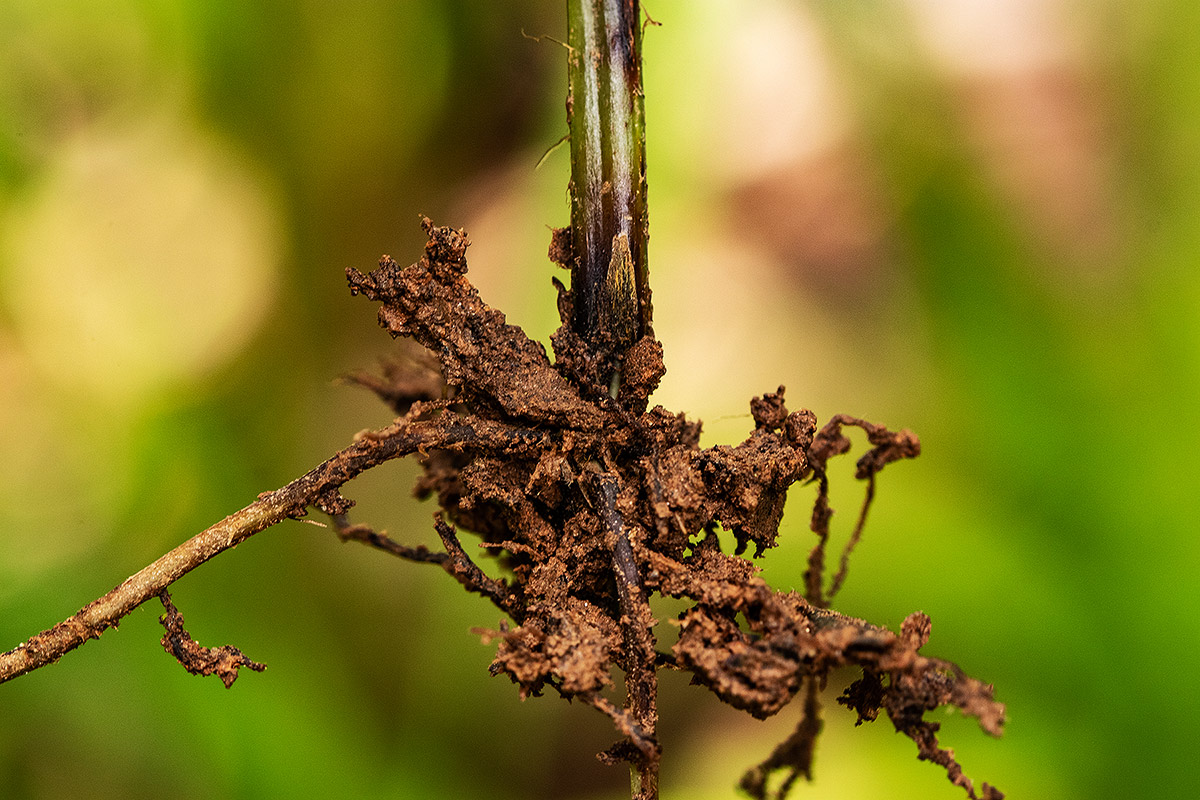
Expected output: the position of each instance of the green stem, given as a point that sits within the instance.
(609, 277)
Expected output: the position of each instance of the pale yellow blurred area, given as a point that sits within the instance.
(139, 253)
(143, 258)
(53, 508)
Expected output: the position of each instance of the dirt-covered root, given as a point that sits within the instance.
(594, 502)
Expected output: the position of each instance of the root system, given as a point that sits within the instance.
(594, 502)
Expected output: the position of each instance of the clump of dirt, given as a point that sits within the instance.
(596, 502)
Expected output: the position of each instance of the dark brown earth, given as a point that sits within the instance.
(595, 503)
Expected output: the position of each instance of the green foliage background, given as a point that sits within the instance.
(1001, 260)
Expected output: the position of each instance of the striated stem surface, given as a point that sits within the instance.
(609, 277)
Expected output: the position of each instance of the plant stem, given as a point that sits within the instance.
(609, 277)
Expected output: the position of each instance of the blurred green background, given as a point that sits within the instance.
(979, 220)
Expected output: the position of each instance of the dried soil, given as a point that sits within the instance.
(594, 503)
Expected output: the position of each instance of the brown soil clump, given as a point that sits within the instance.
(595, 502)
